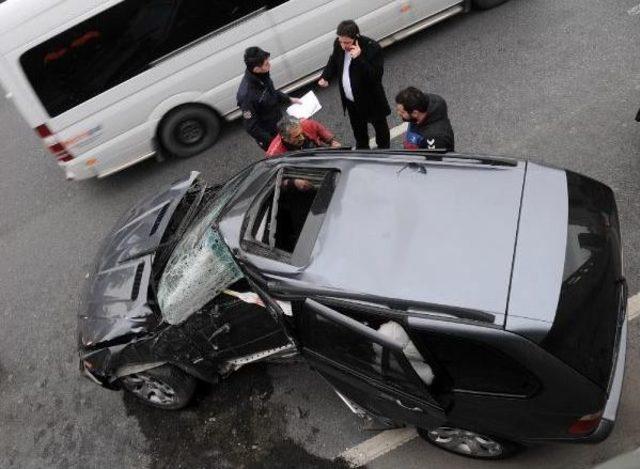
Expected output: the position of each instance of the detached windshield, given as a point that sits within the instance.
(201, 266)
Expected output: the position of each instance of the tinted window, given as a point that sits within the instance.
(584, 329)
(475, 367)
(120, 43)
(347, 347)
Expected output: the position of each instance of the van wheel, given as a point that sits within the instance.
(468, 443)
(189, 130)
(166, 387)
(486, 4)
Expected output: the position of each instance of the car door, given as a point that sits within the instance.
(364, 365)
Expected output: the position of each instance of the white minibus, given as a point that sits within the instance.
(108, 83)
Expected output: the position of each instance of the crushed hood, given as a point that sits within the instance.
(116, 303)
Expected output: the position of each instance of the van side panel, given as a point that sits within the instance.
(298, 33)
(198, 73)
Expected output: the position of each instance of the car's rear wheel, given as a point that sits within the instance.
(189, 130)
(468, 443)
(165, 387)
(486, 4)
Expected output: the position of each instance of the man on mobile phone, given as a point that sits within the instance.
(358, 64)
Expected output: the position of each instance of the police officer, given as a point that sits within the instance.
(258, 99)
(429, 125)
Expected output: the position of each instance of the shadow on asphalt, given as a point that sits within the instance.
(229, 425)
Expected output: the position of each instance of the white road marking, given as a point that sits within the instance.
(634, 11)
(633, 307)
(375, 447)
(389, 440)
(395, 132)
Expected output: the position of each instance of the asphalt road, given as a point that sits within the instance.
(556, 81)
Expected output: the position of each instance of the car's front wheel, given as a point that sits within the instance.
(165, 387)
(468, 443)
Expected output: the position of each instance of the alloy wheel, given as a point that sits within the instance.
(150, 389)
(465, 442)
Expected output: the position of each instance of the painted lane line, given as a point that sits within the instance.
(375, 447)
(634, 11)
(395, 133)
(633, 307)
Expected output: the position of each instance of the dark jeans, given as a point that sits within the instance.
(361, 132)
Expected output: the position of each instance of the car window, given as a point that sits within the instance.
(584, 330)
(285, 220)
(345, 346)
(196, 276)
(201, 265)
(475, 367)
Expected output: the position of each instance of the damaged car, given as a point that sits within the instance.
(479, 299)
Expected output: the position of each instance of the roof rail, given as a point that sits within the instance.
(438, 154)
(285, 289)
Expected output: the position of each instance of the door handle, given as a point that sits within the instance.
(412, 409)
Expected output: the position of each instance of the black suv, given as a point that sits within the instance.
(479, 299)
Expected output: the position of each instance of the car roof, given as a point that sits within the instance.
(403, 227)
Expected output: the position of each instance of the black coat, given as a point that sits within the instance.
(365, 73)
(260, 104)
(435, 132)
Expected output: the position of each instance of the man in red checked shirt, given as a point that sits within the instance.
(294, 134)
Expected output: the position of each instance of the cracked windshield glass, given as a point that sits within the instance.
(201, 266)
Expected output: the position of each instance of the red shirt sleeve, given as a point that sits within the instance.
(316, 130)
(276, 147)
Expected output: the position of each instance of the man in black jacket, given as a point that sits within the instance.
(429, 125)
(358, 64)
(258, 99)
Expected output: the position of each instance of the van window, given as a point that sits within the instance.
(477, 368)
(122, 42)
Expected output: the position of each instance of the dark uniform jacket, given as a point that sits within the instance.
(365, 73)
(435, 131)
(260, 104)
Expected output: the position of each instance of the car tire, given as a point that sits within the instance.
(469, 444)
(486, 4)
(189, 130)
(165, 387)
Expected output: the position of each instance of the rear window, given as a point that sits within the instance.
(120, 43)
(584, 330)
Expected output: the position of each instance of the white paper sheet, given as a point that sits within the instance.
(310, 105)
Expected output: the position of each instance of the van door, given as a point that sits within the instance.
(307, 28)
(417, 10)
(364, 365)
